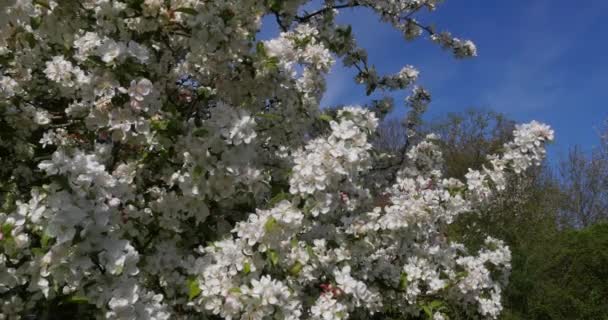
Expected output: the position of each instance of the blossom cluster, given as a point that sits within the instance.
(160, 162)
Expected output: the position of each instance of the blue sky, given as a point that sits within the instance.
(538, 59)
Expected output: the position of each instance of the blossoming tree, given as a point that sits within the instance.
(159, 162)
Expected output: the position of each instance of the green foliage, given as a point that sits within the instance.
(564, 278)
(193, 289)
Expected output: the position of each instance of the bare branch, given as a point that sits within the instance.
(309, 16)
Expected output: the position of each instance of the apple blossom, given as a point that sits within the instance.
(161, 162)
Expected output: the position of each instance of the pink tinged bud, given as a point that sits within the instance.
(344, 196)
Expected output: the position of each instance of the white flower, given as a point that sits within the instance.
(361, 294)
(327, 308)
(8, 86)
(138, 51)
(236, 125)
(269, 291)
(242, 130)
(86, 44)
(110, 50)
(138, 92)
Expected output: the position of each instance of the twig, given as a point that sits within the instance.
(307, 17)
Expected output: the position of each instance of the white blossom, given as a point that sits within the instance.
(177, 168)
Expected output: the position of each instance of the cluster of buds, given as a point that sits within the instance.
(328, 288)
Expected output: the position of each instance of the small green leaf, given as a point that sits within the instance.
(278, 198)
(200, 132)
(296, 268)
(269, 116)
(274, 257)
(30, 39)
(275, 5)
(197, 171)
(246, 268)
(461, 275)
(270, 224)
(160, 125)
(187, 10)
(44, 240)
(193, 289)
(77, 300)
(261, 49)
(6, 229)
(226, 15)
(427, 310)
(43, 3)
(37, 252)
(35, 22)
(326, 117)
(235, 290)
(403, 281)
(272, 63)
(135, 4)
(436, 304)
(294, 242)
(310, 251)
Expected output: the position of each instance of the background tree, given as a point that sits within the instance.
(584, 183)
(562, 278)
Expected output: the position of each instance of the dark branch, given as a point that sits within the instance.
(309, 16)
(280, 22)
(423, 27)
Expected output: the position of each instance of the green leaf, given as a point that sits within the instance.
(37, 252)
(436, 304)
(43, 3)
(326, 117)
(294, 242)
(193, 289)
(159, 125)
(187, 11)
(310, 250)
(246, 268)
(269, 116)
(271, 224)
(278, 198)
(35, 22)
(200, 132)
(44, 240)
(135, 4)
(29, 38)
(6, 229)
(296, 268)
(427, 310)
(275, 5)
(77, 300)
(274, 257)
(272, 63)
(235, 290)
(403, 281)
(227, 15)
(197, 171)
(261, 49)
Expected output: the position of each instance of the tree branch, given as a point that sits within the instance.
(279, 21)
(309, 16)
